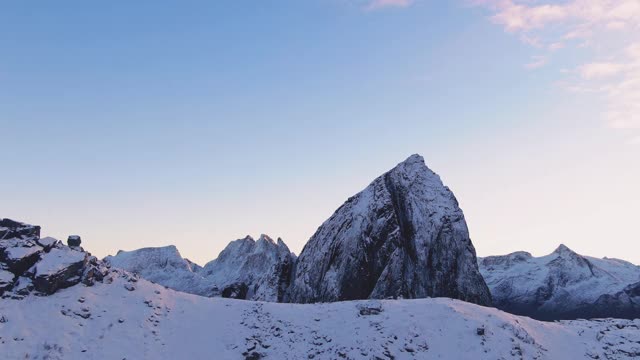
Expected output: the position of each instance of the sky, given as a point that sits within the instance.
(195, 123)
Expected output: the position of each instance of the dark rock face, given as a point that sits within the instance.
(19, 254)
(29, 263)
(563, 285)
(404, 236)
(59, 269)
(235, 291)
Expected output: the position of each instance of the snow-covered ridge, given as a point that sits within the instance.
(245, 269)
(125, 318)
(563, 284)
(164, 266)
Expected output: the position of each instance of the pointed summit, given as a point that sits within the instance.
(264, 237)
(403, 236)
(563, 249)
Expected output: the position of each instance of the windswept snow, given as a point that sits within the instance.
(141, 320)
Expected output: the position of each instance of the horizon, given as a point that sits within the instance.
(147, 125)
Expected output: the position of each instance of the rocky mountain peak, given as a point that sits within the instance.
(402, 236)
(562, 249)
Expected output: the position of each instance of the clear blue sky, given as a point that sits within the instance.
(194, 123)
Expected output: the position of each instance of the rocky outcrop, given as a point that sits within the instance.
(58, 269)
(563, 285)
(404, 236)
(31, 264)
(10, 229)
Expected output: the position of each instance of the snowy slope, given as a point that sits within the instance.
(562, 284)
(127, 319)
(404, 236)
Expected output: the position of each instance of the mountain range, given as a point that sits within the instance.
(347, 295)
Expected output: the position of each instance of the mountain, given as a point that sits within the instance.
(164, 266)
(404, 236)
(124, 319)
(249, 269)
(563, 285)
(245, 269)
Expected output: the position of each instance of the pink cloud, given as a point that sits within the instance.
(607, 32)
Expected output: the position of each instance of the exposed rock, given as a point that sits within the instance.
(48, 243)
(29, 263)
(19, 254)
(235, 291)
(6, 280)
(13, 229)
(58, 269)
(369, 309)
(404, 236)
(24, 286)
(74, 241)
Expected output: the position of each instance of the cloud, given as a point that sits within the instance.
(599, 70)
(607, 31)
(380, 4)
(537, 62)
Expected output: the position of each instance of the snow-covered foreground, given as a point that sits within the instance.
(141, 320)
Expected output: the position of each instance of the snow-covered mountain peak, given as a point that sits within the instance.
(563, 284)
(564, 250)
(402, 236)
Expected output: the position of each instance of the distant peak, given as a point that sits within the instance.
(563, 249)
(248, 238)
(266, 238)
(415, 158)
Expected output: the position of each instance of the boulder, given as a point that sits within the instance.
(235, 291)
(19, 254)
(58, 269)
(6, 280)
(74, 241)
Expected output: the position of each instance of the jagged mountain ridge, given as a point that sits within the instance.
(246, 269)
(414, 243)
(404, 236)
(563, 285)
